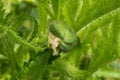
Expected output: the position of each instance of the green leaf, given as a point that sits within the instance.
(1, 12)
(2, 57)
(56, 5)
(7, 6)
(6, 48)
(22, 56)
(20, 40)
(42, 5)
(37, 67)
(108, 47)
(68, 69)
(70, 9)
(95, 24)
(94, 11)
(107, 74)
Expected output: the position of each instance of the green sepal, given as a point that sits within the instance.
(64, 33)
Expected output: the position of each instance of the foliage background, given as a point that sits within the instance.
(25, 53)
